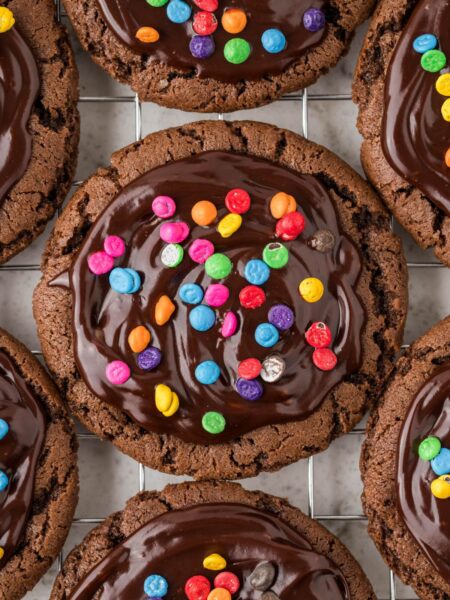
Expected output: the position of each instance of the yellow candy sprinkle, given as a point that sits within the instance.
(214, 562)
(166, 401)
(2, 552)
(6, 19)
(229, 224)
(446, 110)
(174, 406)
(311, 289)
(443, 84)
(440, 487)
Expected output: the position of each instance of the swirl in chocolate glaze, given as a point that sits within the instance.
(19, 452)
(125, 17)
(175, 544)
(415, 137)
(103, 319)
(19, 85)
(426, 517)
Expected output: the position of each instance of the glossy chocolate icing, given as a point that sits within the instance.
(125, 17)
(426, 517)
(19, 85)
(103, 319)
(19, 452)
(174, 545)
(415, 136)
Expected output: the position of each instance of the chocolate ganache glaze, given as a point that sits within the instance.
(19, 85)
(415, 136)
(19, 452)
(125, 17)
(426, 517)
(174, 545)
(103, 319)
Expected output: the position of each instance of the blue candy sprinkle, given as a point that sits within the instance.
(266, 335)
(202, 318)
(156, 586)
(441, 463)
(124, 281)
(178, 11)
(256, 272)
(207, 372)
(273, 41)
(191, 293)
(4, 428)
(136, 280)
(425, 42)
(4, 481)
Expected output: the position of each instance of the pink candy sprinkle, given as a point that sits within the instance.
(164, 206)
(117, 372)
(201, 250)
(217, 294)
(100, 263)
(174, 232)
(114, 246)
(230, 324)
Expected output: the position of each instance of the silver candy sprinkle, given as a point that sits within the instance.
(273, 368)
(172, 255)
(269, 595)
(262, 576)
(323, 240)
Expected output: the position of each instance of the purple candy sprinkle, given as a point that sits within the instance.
(281, 316)
(149, 359)
(249, 389)
(202, 46)
(314, 19)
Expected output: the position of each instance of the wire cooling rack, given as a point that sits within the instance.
(304, 98)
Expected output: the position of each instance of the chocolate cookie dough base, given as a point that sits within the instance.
(416, 213)
(54, 125)
(382, 288)
(378, 464)
(156, 82)
(147, 505)
(56, 485)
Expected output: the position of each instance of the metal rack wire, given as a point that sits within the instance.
(305, 98)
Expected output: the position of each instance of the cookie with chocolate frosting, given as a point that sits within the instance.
(402, 84)
(39, 123)
(225, 298)
(38, 471)
(196, 537)
(211, 56)
(404, 469)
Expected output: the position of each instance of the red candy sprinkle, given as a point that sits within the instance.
(204, 23)
(197, 588)
(318, 335)
(290, 226)
(209, 5)
(250, 368)
(237, 201)
(324, 359)
(252, 296)
(227, 580)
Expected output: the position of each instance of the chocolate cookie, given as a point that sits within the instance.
(199, 56)
(196, 537)
(401, 84)
(405, 496)
(248, 339)
(38, 472)
(39, 124)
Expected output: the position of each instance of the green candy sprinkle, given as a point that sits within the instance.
(275, 255)
(218, 266)
(157, 3)
(433, 61)
(237, 51)
(213, 422)
(429, 448)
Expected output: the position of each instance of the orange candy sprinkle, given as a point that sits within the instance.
(139, 338)
(164, 309)
(447, 158)
(148, 35)
(219, 594)
(204, 213)
(234, 20)
(282, 204)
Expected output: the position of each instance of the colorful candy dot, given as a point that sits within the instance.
(4, 428)
(425, 42)
(207, 372)
(139, 338)
(157, 3)
(443, 84)
(174, 232)
(314, 19)
(252, 297)
(266, 335)
(178, 11)
(441, 462)
(114, 246)
(4, 481)
(216, 295)
(229, 224)
(250, 368)
(164, 207)
(249, 389)
(281, 204)
(2, 552)
(238, 201)
(234, 20)
(204, 23)
(191, 293)
(445, 110)
(273, 368)
(447, 158)
(166, 401)
(202, 46)
(164, 310)
(147, 35)
(256, 272)
(237, 51)
(172, 255)
(229, 325)
(6, 19)
(440, 487)
(100, 263)
(197, 588)
(117, 372)
(219, 594)
(318, 335)
(273, 41)
(204, 213)
(429, 448)
(156, 586)
(214, 562)
(276, 255)
(210, 5)
(433, 61)
(202, 318)
(290, 226)
(311, 289)
(323, 240)
(201, 250)
(227, 580)
(213, 422)
(124, 281)
(218, 266)
(262, 576)
(281, 316)
(324, 359)
(149, 359)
